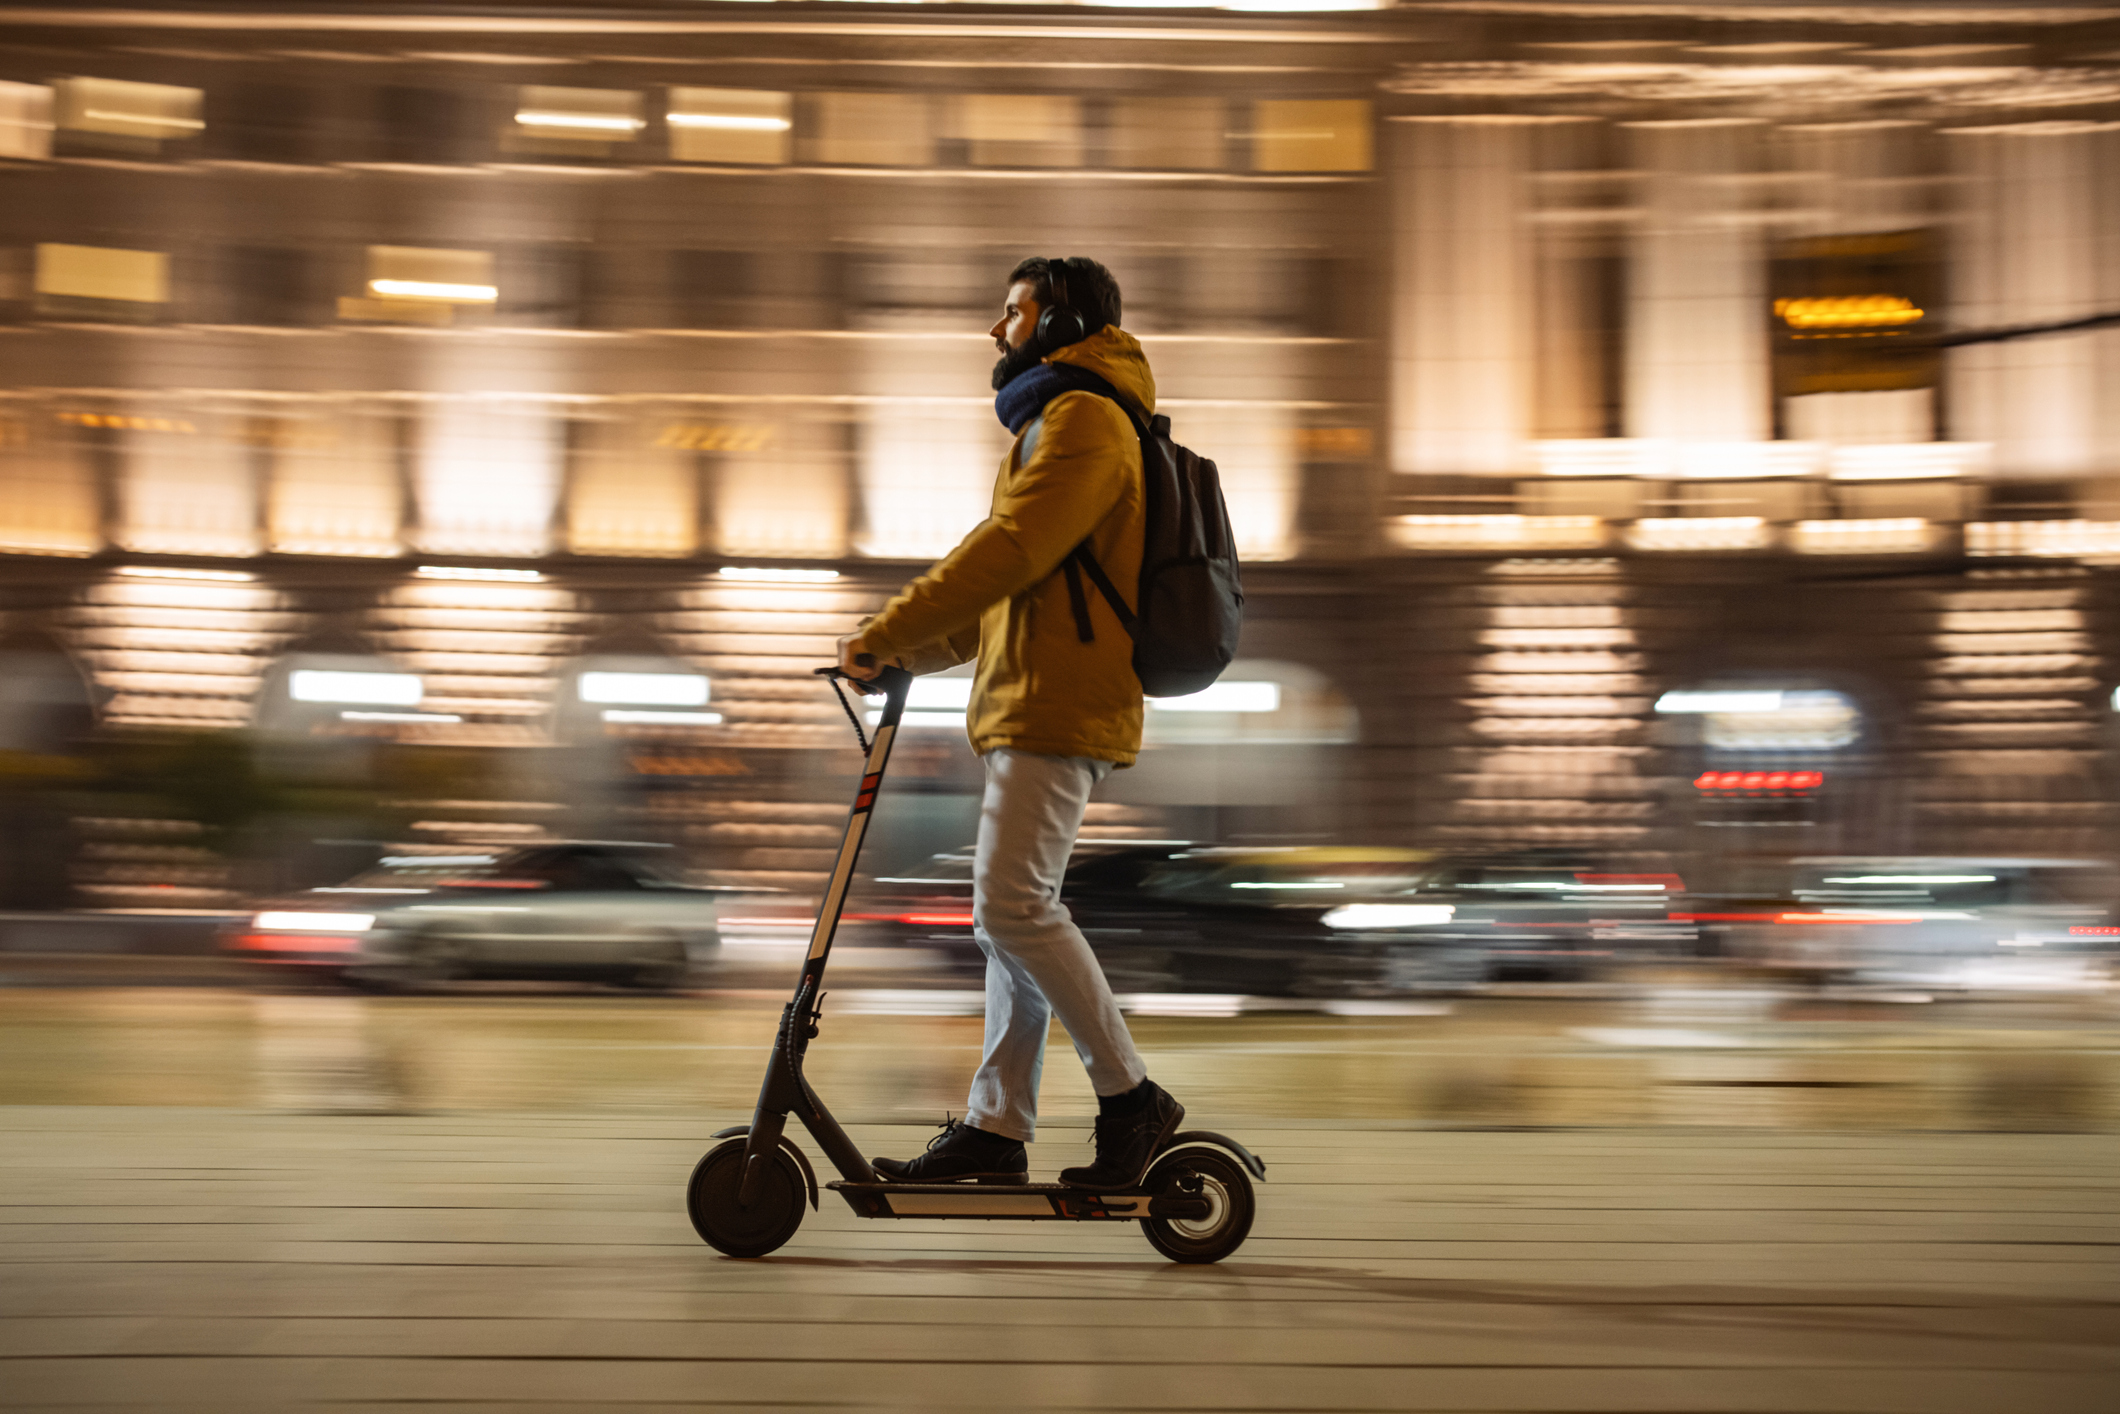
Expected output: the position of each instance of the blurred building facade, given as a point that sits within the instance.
(1560, 364)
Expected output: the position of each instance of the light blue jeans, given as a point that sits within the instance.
(1037, 962)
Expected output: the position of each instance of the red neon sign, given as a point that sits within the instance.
(1777, 782)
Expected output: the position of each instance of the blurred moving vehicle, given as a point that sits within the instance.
(1167, 915)
(567, 910)
(1940, 924)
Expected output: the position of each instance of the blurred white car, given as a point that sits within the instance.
(572, 910)
(1945, 924)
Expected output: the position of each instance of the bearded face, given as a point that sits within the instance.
(1015, 362)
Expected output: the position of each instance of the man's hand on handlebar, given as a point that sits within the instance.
(861, 667)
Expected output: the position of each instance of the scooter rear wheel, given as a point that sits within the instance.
(1223, 1183)
(726, 1225)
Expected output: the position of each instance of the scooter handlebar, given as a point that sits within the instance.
(889, 682)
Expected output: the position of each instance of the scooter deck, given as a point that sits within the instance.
(1018, 1201)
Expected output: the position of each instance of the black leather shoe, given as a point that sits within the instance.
(1125, 1146)
(961, 1154)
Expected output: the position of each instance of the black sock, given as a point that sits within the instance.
(1124, 1104)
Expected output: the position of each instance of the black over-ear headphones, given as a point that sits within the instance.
(1059, 323)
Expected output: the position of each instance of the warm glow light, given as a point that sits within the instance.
(434, 290)
(292, 922)
(1700, 533)
(1853, 311)
(160, 572)
(1909, 461)
(433, 718)
(730, 122)
(2043, 537)
(644, 689)
(1501, 532)
(940, 694)
(1911, 879)
(1862, 537)
(763, 575)
(585, 121)
(1224, 697)
(380, 689)
(1389, 915)
(1719, 702)
(473, 572)
(152, 120)
(682, 719)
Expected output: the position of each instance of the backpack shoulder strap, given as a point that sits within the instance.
(1080, 560)
(1081, 556)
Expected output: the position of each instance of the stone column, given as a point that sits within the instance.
(2031, 249)
(1696, 317)
(1464, 313)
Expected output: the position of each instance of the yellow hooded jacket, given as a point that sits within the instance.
(1073, 472)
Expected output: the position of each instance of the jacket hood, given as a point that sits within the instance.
(1115, 356)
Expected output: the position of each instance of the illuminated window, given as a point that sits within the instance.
(875, 130)
(631, 489)
(781, 490)
(422, 285)
(135, 113)
(337, 488)
(188, 484)
(1310, 135)
(489, 477)
(1019, 129)
(1257, 701)
(742, 125)
(927, 477)
(77, 280)
(573, 121)
(48, 486)
(1841, 313)
(1185, 134)
(25, 120)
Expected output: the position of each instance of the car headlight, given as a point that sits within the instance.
(293, 922)
(1389, 915)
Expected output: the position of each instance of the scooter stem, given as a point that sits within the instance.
(784, 1089)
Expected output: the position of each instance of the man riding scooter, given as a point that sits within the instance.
(1053, 711)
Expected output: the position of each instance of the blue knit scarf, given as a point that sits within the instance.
(1025, 396)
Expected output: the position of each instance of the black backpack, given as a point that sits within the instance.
(1191, 598)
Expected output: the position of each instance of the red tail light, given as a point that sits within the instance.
(295, 942)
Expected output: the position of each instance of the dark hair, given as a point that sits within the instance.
(1091, 290)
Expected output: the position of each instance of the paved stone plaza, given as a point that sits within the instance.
(222, 1260)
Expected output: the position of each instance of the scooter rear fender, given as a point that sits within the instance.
(1252, 1161)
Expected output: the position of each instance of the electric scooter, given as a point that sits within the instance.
(745, 1197)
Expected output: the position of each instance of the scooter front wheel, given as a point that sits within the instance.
(1208, 1174)
(731, 1228)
